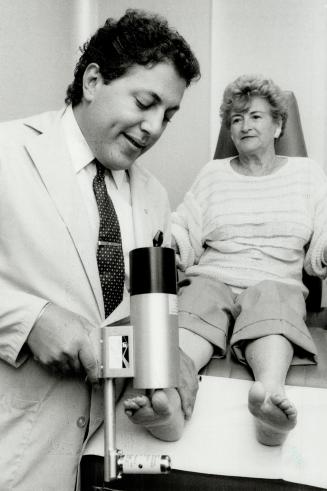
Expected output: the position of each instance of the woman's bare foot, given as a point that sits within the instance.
(274, 415)
(161, 415)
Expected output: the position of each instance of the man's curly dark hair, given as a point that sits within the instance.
(137, 38)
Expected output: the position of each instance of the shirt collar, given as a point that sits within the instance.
(119, 176)
(80, 152)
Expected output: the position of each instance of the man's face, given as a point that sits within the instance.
(123, 119)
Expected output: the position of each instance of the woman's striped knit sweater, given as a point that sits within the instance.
(244, 229)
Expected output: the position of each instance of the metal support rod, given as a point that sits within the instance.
(110, 451)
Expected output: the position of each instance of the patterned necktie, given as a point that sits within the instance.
(110, 253)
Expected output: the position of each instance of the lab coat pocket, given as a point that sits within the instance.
(17, 417)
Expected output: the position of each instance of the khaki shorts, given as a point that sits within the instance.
(210, 309)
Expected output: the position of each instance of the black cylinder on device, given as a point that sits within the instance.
(152, 270)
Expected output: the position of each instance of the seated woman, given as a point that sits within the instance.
(245, 230)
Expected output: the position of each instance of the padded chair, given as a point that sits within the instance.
(291, 144)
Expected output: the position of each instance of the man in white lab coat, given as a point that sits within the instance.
(128, 84)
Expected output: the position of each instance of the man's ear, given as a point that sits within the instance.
(91, 79)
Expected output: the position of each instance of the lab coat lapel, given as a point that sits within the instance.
(50, 155)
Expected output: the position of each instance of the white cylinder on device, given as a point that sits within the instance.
(144, 464)
(154, 316)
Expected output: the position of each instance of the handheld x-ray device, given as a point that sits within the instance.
(147, 351)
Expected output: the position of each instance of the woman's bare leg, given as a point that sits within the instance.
(270, 358)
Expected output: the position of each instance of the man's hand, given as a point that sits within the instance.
(188, 385)
(60, 339)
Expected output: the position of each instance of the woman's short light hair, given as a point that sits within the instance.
(238, 94)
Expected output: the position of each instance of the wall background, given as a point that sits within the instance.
(36, 46)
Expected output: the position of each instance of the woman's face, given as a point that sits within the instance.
(253, 129)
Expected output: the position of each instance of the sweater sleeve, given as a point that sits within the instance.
(187, 232)
(313, 262)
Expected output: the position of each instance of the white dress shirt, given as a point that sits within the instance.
(117, 183)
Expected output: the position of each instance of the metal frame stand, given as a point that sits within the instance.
(118, 362)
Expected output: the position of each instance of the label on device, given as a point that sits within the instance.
(117, 351)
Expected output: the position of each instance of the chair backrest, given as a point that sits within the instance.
(292, 144)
